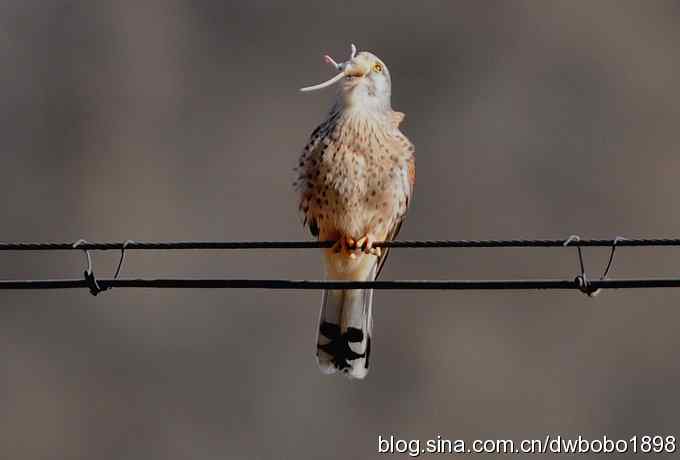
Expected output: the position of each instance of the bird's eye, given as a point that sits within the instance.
(377, 67)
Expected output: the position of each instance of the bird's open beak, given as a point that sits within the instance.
(351, 68)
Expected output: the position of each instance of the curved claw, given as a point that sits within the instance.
(354, 248)
(365, 243)
(342, 246)
(351, 248)
(337, 247)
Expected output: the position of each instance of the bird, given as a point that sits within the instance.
(355, 180)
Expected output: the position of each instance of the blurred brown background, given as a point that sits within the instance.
(163, 120)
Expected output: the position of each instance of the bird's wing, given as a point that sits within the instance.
(397, 118)
(394, 230)
(307, 168)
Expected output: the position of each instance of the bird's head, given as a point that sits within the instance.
(364, 81)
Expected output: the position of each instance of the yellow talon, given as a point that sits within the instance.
(365, 244)
(353, 248)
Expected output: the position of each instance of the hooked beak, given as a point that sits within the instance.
(351, 68)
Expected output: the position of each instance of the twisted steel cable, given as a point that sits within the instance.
(193, 245)
(581, 282)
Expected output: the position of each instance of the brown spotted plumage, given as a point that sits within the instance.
(355, 179)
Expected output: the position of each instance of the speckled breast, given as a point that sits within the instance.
(353, 176)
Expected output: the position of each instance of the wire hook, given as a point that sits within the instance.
(90, 278)
(581, 280)
(611, 256)
(583, 283)
(89, 275)
(122, 257)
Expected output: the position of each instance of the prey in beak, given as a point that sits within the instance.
(348, 69)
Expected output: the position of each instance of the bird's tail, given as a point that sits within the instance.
(345, 329)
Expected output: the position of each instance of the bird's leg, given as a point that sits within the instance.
(345, 246)
(365, 244)
(340, 246)
(351, 248)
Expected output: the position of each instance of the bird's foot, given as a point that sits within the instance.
(339, 246)
(365, 244)
(353, 248)
(345, 246)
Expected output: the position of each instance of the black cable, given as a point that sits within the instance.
(581, 282)
(186, 245)
(211, 283)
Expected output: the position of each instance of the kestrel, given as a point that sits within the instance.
(355, 179)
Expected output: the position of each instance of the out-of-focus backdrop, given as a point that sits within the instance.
(163, 120)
